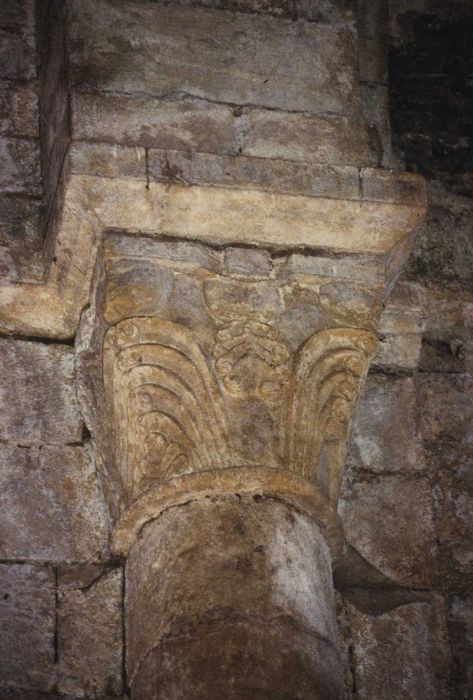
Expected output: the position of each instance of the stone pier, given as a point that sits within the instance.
(223, 275)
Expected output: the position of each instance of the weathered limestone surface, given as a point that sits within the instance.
(427, 111)
(242, 604)
(232, 58)
(144, 137)
(402, 324)
(386, 436)
(316, 180)
(33, 695)
(18, 109)
(278, 8)
(27, 627)
(17, 40)
(446, 419)
(460, 623)
(106, 160)
(20, 166)
(450, 466)
(400, 652)
(50, 506)
(186, 123)
(20, 222)
(300, 136)
(191, 123)
(313, 10)
(252, 173)
(438, 425)
(436, 254)
(389, 521)
(219, 215)
(20, 185)
(432, 129)
(241, 83)
(37, 394)
(386, 501)
(90, 631)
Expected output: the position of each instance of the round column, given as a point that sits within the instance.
(230, 596)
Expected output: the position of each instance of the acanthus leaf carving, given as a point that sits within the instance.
(329, 370)
(252, 360)
(169, 415)
(167, 412)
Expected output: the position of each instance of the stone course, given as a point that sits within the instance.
(388, 519)
(20, 183)
(20, 166)
(37, 394)
(50, 505)
(90, 617)
(430, 119)
(186, 123)
(407, 644)
(386, 436)
(275, 65)
(27, 623)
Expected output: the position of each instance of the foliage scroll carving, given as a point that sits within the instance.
(251, 358)
(328, 373)
(167, 410)
(171, 408)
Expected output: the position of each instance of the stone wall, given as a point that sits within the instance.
(431, 100)
(20, 181)
(405, 584)
(61, 597)
(408, 488)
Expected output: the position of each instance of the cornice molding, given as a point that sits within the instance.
(220, 215)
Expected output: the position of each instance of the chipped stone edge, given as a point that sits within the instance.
(265, 482)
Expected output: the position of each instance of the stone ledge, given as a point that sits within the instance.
(265, 174)
(186, 168)
(220, 215)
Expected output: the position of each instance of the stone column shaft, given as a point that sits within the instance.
(231, 597)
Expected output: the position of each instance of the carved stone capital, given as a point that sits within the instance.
(229, 324)
(225, 369)
(177, 410)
